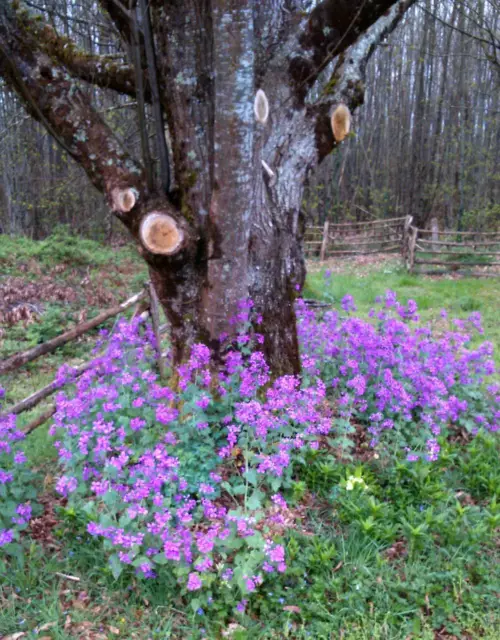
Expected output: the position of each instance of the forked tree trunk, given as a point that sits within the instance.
(229, 228)
(267, 268)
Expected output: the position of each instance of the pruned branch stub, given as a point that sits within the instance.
(161, 234)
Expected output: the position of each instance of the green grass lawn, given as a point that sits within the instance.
(410, 554)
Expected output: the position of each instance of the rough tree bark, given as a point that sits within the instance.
(228, 229)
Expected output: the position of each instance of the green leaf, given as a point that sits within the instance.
(195, 604)
(239, 490)
(160, 559)
(251, 477)
(115, 566)
(276, 484)
(233, 543)
(255, 500)
(89, 507)
(256, 541)
(140, 560)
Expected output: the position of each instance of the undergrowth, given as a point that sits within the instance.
(363, 497)
(377, 544)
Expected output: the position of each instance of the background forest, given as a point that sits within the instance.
(426, 141)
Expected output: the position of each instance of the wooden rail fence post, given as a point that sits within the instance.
(406, 239)
(324, 244)
(435, 233)
(413, 242)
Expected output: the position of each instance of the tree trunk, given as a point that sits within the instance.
(223, 226)
(266, 267)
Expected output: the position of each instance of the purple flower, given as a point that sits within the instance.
(250, 584)
(348, 304)
(136, 424)
(277, 554)
(241, 606)
(19, 457)
(23, 514)
(165, 414)
(6, 536)
(227, 575)
(203, 402)
(206, 489)
(194, 582)
(6, 476)
(66, 485)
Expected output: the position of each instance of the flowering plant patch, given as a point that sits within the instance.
(17, 487)
(185, 481)
(404, 383)
(193, 482)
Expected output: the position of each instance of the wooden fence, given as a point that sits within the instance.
(468, 253)
(443, 251)
(355, 238)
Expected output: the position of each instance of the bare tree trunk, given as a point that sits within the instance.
(229, 229)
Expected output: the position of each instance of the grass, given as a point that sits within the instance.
(60, 247)
(413, 555)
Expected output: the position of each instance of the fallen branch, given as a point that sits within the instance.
(462, 265)
(19, 359)
(43, 417)
(367, 241)
(370, 223)
(390, 249)
(36, 397)
(66, 576)
(467, 274)
(317, 304)
(491, 234)
(454, 252)
(479, 243)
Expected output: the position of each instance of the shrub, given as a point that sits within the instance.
(62, 246)
(482, 219)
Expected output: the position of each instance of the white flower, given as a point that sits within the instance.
(353, 480)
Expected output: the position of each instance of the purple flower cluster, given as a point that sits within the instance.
(120, 442)
(404, 382)
(14, 516)
(188, 478)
